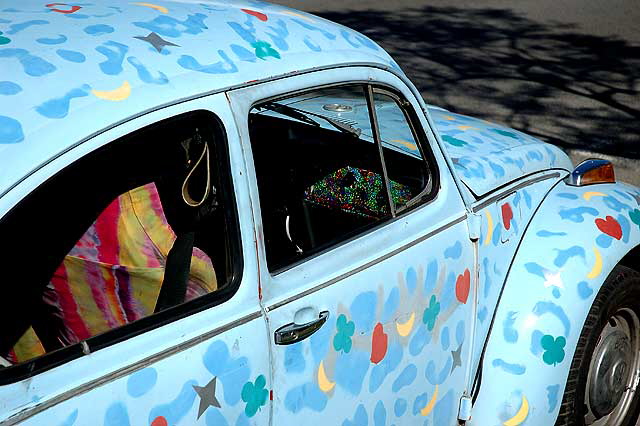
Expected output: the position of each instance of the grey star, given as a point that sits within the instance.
(207, 396)
(156, 41)
(456, 358)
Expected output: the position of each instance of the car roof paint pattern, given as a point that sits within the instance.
(70, 70)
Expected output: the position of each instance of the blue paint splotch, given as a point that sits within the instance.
(543, 308)
(509, 332)
(232, 372)
(584, 291)
(141, 382)
(294, 359)
(390, 305)
(176, 409)
(379, 415)
(604, 240)
(438, 377)
(405, 378)
(419, 403)
(400, 407)
(16, 28)
(381, 370)
(319, 343)
(59, 107)
(145, 75)
(577, 214)
(10, 130)
(351, 369)
(32, 65)
(420, 338)
(51, 40)
(225, 66)
(71, 55)
(411, 279)
(517, 369)
(445, 338)
(545, 234)
(307, 395)
(431, 277)
(71, 419)
(453, 252)
(213, 417)
(363, 311)
(444, 409)
(116, 415)
(243, 54)
(552, 397)
(8, 88)
(171, 27)
(115, 53)
(564, 255)
(99, 29)
(360, 418)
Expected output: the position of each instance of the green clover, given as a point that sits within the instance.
(255, 395)
(4, 40)
(264, 49)
(635, 216)
(342, 339)
(431, 313)
(554, 349)
(454, 141)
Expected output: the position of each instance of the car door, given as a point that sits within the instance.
(367, 269)
(151, 313)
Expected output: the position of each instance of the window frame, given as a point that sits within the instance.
(222, 163)
(422, 141)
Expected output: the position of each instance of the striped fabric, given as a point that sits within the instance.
(114, 273)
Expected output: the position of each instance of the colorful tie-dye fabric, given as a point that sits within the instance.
(113, 274)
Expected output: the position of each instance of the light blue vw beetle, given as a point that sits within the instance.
(235, 213)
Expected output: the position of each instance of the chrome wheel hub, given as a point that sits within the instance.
(613, 371)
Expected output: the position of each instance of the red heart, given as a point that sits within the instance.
(73, 8)
(259, 15)
(507, 215)
(378, 344)
(462, 286)
(609, 226)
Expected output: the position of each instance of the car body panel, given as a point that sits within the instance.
(487, 156)
(574, 241)
(73, 74)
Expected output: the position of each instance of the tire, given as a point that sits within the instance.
(615, 310)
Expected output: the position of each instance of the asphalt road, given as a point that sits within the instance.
(566, 71)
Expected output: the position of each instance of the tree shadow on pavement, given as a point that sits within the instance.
(574, 90)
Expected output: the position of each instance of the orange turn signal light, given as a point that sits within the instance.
(590, 172)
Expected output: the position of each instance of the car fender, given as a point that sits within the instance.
(575, 239)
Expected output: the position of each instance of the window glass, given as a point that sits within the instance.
(319, 172)
(137, 227)
(405, 166)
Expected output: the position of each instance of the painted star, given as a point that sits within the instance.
(207, 396)
(156, 41)
(457, 362)
(553, 279)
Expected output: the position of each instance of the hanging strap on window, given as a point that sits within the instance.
(186, 196)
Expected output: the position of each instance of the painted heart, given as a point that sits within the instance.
(507, 215)
(462, 286)
(634, 215)
(259, 15)
(609, 226)
(378, 344)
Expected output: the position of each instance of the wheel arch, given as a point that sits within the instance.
(569, 249)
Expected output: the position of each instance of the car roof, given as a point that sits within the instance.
(70, 70)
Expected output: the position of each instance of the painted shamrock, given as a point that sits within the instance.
(553, 349)
(431, 313)
(264, 49)
(342, 339)
(635, 216)
(255, 395)
(4, 40)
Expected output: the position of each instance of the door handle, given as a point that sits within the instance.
(292, 333)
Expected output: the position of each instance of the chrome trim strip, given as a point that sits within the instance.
(366, 265)
(508, 191)
(30, 412)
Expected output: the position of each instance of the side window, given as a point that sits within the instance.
(319, 168)
(407, 171)
(143, 225)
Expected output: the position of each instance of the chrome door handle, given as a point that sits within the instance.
(292, 333)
